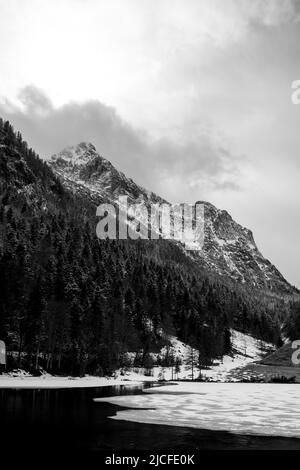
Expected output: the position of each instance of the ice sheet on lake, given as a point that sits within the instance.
(264, 409)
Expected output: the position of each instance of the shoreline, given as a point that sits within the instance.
(255, 373)
(46, 382)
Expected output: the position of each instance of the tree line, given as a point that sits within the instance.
(71, 303)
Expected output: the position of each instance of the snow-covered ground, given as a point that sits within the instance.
(260, 409)
(245, 349)
(47, 381)
(21, 379)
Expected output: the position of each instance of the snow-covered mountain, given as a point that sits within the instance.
(229, 249)
(85, 170)
(71, 287)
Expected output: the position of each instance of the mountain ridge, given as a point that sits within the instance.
(74, 304)
(229, 248)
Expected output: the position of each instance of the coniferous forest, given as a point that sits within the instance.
(72, 304)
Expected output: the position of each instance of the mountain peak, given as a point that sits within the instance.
(86, 146)
(229, 248)
(82, 165)
(78, 155)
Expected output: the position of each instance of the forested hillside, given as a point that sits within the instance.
(73, 304)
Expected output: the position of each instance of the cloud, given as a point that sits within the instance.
(155, 164)
(209, 81)
(272, 13)
(34, 100)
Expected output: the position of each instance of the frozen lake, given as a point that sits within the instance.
(184, 417)
(243, 408)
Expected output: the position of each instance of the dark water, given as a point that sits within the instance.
(69, 421)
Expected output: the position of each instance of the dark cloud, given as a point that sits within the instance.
(158, 165)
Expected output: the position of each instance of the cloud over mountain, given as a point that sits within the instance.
(160, 164)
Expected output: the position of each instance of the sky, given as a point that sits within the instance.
(192, 99)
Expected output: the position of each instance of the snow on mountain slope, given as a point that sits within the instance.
(81, 167)
(245, 350)
(243, 346)
(229, 249)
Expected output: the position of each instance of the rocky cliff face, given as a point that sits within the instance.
(81, 167)
(229, 249)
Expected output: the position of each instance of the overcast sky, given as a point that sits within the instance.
(190, 98)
